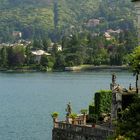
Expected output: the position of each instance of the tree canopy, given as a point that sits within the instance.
(129, 126)
(134, 58)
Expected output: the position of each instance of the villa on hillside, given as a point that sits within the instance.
(20, 42)
(37, 55)
(114, 32)
(107, 36)
(52, 46)
(93, 22)
(17, 34)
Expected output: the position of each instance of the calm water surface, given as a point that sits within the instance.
(28, 99)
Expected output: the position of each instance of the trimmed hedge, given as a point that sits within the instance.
(91, 109)
(103, 101)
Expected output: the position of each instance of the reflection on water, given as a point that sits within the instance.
(27, 100)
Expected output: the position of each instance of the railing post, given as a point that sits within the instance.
(84, 119)
(55, 122)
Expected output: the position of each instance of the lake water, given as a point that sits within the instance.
(28, 99)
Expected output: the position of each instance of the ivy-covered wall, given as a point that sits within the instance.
(102, 104)
(103, 101)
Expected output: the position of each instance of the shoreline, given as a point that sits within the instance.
(70, 69)
(92, 67)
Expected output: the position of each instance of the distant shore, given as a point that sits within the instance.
(93, 67)
(74, 68)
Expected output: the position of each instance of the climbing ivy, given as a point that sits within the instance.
(102, 102)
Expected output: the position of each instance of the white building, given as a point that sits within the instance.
(52, 45)
(17, 34)
(107, 36)
(59, 48)
(37, 55)
(93, 22)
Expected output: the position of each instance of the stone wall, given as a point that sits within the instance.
(63, 131)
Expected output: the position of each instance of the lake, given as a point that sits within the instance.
(28, 99)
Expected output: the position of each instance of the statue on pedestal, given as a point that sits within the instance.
(68, 109)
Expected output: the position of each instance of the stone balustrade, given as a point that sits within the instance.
(82, 129)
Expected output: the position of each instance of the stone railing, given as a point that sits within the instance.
(98, 131)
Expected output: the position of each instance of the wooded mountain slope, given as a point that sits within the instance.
(40, 17)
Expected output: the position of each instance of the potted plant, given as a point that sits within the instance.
(83, 111)
(73, 116)
(55, 116)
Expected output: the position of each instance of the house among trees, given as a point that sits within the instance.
(38, 54)
(17, 34)
(93, 22)
(24, 42)
(54, 46)
(113, 32)
(107, 36)
(59, 47)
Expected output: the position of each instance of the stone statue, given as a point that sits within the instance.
(69, 109)
(113, 78)
(130, 87)
(113, 84)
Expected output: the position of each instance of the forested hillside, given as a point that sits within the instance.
(93, 32)
(53, 18)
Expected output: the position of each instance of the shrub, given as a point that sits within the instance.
(73, 115)
(83, 111)
(54, 114)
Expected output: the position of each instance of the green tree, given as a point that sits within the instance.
(4, 57)
(73, 60)
(46, 43)
(47, 61)
(44, 60)
(37, 44)
(134, 60)
(60, 61)
(16, 56)
(28, 55)
(130, 40)
(55, 50)
(101, 57)
(129, 125)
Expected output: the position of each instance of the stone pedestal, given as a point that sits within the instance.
(55, 120)
(84, 119)
(68, 120)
